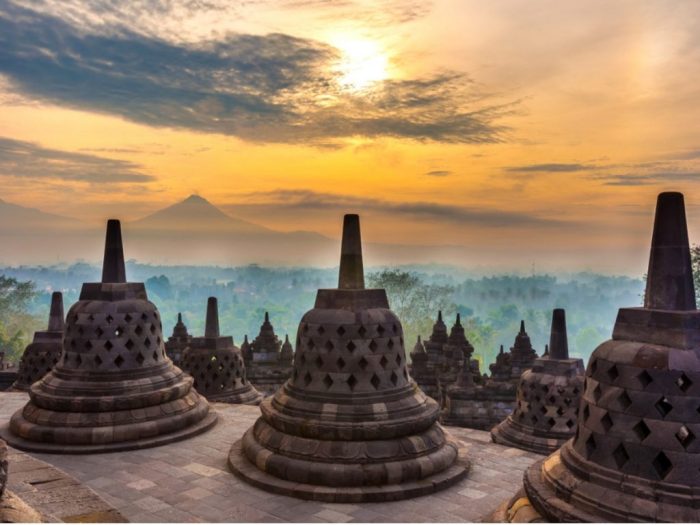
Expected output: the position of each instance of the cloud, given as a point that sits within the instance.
(271, 88)
(647, 179)
(285, 201)
(550, 168)
(438, 173)
(30, 161)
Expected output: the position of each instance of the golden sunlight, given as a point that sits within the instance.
(363, 62)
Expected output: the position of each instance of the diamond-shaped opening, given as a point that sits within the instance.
(328, 381)
(684, 383)
(321, 330)
(99, 332)
(118, 331)
(119, 360)
(380, 329)
(109, 319)
(128, 318)
(591, 446)
(98, 360)
(352, 381)
(645, 378)
(155, 356)
(570, 423)
(560, 411)
(551, 422)
(91, 317)
(307, 379)
(575, 391)
(567, 400)
(78, 359)
(340, 331)
(663, 406)
(362, 331)
(620, 456)
(624, 400)
(641, 430)
(153, 329)
(351, 347)
(363, 363)
(394, 378)
(383, 361)
(552, 399)
(88, 345)
(662, 465)
(375, 381)
(390, 344)
(147, 342)
(108, 345)
(543, 409)
(606, 421)
(138, 330)
(398, 359)
(597, 392)
(340, 363)
(311, 344)
(373, 345)
(305, 329)
(319, 361)
(329, 345)
(534, 419)
(613, 373)
(685, 436)
(140, 358)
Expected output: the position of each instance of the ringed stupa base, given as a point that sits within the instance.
(515, 435)
(393, 491)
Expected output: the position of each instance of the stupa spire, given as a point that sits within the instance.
(113, 269)
(351, 275)
(522, 326)
(56, 313)
(558, 344)
(670, 274)
(212, 326)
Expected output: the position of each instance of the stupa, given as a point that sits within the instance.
(509, 366)
(547, 399)
(636, 453)
(178, 342)
(350, 425)
(42, 354)
(426, 372)
(454, 352)
(287, 351)
(113, 388)
(217, 365)
(268, 366)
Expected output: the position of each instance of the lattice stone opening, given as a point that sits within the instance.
(351, 347)
(620, 456)
(684, 382)
(641, 430)
(685, 436)
(591, 446)
(624, 400)
(663, 406)
(662, 465)
(645, 378)
(613, 373)
(607, 422)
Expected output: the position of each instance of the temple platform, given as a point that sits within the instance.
(189, 481)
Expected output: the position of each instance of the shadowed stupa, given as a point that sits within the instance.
(217, 365)
(177, 343)
(113, 388)
(636, 453)
(547, 400)
(350, 425)
(268, 361)
(42, 354)
(509, 366)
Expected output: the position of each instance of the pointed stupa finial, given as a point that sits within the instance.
(458, 322)
(56, 319)
(501, 351)
(439, 316)
(179, 318)
(546, 350)
(212, 326)
(558, 345)
(522, 326)
(351, 275)
(267, 317)
(670, 274)
(245, 338)
(419, 341)
(286, 338)
(113, 269)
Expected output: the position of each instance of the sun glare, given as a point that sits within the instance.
(362, 63)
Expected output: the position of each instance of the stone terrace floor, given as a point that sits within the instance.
(189, 481)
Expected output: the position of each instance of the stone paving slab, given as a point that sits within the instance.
(190, 482)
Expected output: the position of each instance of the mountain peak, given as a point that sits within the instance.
(196, 199)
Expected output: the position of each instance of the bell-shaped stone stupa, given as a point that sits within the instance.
(350, 425)
(636, 453)
(114, 387)
(177, 343)
(509, 366)
(42, 354)
(217, 365)
(547, 400)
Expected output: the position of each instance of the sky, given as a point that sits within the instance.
(533, 132)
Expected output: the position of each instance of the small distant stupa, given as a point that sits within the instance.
(268, 361)
(178, 342)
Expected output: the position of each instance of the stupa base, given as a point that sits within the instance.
(562, 493)
(247, 471)
(508, 434)
(252, 397)
(147, 442)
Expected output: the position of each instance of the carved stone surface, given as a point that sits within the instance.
(509, 366)
(217, 365)
(178, 342)
(267, 360)
(3, 467)
(42, 354)
(350, 424)
(636, 453)
(548, 398)
(113, 388)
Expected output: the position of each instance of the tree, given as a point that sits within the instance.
(15, 323)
